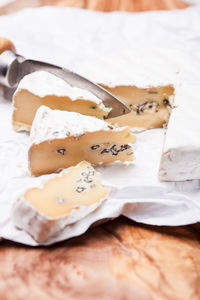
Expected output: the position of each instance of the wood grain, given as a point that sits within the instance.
(101, 5)
(117, 260)
(133, 5)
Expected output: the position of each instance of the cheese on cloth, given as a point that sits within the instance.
(181, 153)
(60, 139)
(143, 79)
(43, 88)
(62, 200)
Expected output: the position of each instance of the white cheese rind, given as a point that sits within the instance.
(181, 152)
(39, 226)
(50, 124)
(42, 83)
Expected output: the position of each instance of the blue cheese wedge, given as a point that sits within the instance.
(63, 199)
(150, 106)
(60, 139)
(43, 88)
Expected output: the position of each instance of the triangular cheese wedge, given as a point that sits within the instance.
(60, 139)
(43, 88)
(62, 200)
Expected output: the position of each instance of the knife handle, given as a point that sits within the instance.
(8, 62)
(6, 45)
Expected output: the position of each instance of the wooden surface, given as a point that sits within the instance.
(102, 5)
(117, 260)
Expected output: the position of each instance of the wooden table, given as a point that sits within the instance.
(117, 260)
(102, 5)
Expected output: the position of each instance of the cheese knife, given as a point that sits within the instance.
(13, 67)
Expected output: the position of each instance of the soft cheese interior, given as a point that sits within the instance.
(60, 139)
(62, 200)
(43, 88)
(150, 106)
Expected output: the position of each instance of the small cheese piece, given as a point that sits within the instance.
(43, 88)
(150, 106)
(64, 199)
(181, 153)
(60, 139)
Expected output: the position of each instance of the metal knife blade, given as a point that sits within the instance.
(14, 67)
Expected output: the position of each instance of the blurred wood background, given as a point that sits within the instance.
(101, 5)
(119, 260)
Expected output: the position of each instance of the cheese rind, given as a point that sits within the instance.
(61, 139)
(43, 88)
(63, 200)
(50, 124)
(181, 152)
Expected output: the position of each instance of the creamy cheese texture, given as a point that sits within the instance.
(62, 200)
(150, 107)
(61, 139)
(43, 88)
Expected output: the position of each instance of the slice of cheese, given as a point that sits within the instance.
(43, 88)
(62, 200)
(150, 106)
(60, 139)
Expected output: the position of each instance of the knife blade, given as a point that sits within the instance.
(14, 67)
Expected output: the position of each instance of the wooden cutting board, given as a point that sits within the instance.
(117, 260)
(102, 5)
